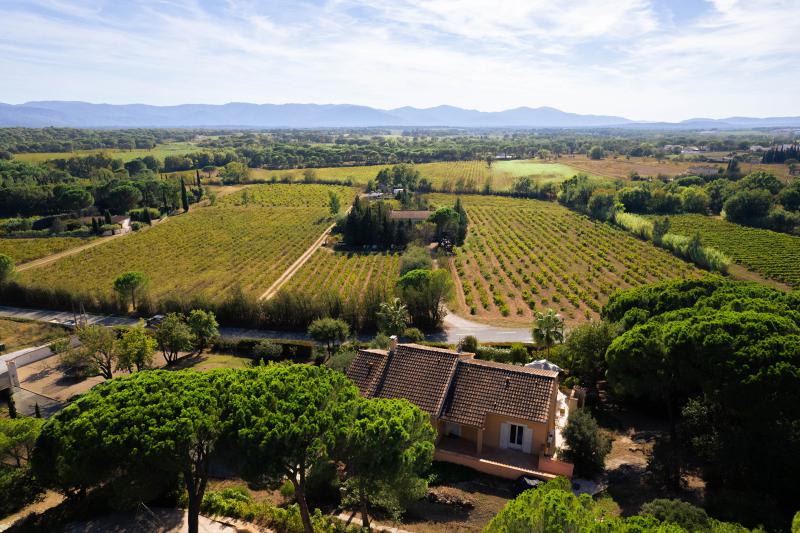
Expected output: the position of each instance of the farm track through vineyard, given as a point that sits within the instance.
(348, 274)
(208, 252)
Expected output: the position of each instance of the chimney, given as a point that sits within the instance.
(392, 343)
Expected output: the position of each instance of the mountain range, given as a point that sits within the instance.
(245, 115)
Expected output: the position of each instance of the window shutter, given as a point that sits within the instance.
(527, 437)
(505, 432)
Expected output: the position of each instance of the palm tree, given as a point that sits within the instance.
(393, 317)
(548, 329)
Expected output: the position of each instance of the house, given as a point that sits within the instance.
(495, 418)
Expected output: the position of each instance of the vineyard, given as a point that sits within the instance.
(347, 274)
(284, 195)
(23, 250)
(207, 252)
(526, 255)
(443, 175)
(775, 255)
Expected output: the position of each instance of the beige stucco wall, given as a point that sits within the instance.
(491, 434)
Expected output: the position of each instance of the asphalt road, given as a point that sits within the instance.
(455, 327)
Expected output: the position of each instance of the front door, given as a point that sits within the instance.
(516, 436)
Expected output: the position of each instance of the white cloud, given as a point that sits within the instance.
(588, 56)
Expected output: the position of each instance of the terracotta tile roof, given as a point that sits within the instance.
(481, 387)
(419, 374)
(366, 370)
(454, 386)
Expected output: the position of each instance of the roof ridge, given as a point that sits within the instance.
(511, 368)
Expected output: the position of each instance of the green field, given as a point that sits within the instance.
(23, 250)
(522, 256)
(207, 252)
(159, 152)
(774, 255)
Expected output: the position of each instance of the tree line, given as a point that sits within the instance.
(720, 360)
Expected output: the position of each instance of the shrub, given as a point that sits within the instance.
(267, 351)
(518, 353)
(341, 360)
(413, 335)
(686, 515)
(641, 227)
(468, 344)
(691, 248)
(587, 447)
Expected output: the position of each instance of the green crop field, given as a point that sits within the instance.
(526, 255)
(207, 252)
(23, 250)
(774, 255)
(159, 152)
(349, 274)
(285, 195)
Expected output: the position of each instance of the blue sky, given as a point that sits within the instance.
(643, 59)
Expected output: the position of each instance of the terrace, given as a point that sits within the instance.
(505, 463)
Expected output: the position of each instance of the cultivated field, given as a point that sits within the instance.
(442, 174)
(774, 255)
(526, 255)
(286, 195)
(349, 274)
(621, 167)
(207, 252)
(159, 152)
(23, 250)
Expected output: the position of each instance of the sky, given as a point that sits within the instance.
(641, 59)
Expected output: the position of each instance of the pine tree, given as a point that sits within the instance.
(184, 196)
(36, 412)
(95, 226)
(12, 407)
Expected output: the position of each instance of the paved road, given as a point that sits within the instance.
(456, 327)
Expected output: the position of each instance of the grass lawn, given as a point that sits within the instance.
(211, 361)
(18, 333)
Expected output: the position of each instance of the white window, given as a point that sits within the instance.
(515, 436)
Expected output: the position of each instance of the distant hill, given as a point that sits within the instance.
(82, 114)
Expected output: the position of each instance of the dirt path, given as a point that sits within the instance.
(292, 270)
(46, 260)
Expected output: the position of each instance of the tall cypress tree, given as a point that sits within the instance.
(12, 407)
(197, 175)
(184, 196)
(147, 217)
(95, 226)
(107, 216)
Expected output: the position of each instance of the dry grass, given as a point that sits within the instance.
(16, 334)
(621, 167)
